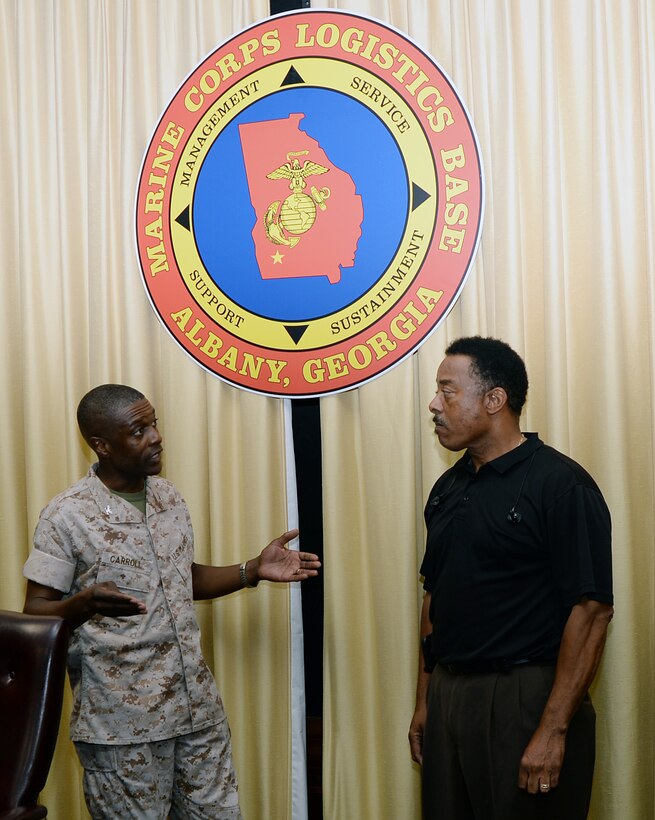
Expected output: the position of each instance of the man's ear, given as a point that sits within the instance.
(495, 400)
(99, 446)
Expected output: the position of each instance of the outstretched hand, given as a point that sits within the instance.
(99, 599)
(106, 599)
(278, 563)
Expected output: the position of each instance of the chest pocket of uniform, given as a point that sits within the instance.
(130, 575)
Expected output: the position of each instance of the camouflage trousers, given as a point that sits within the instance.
(190, 777)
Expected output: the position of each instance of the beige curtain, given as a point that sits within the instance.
(562, 96)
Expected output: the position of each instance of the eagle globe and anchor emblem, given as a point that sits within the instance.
(285, 224)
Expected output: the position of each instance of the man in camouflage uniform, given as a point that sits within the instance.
(113, 555)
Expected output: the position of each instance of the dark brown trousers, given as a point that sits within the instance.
(477, 729)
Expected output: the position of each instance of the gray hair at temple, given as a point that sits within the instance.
(496, 364)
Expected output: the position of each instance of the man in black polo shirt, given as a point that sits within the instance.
(518, 598)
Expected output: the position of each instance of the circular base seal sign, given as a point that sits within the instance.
(309, 205)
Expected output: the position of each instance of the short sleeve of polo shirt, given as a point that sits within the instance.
(579, 539)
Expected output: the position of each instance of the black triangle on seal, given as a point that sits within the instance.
(183, 219)
(418, 196)
(292, 78)
(296, 331)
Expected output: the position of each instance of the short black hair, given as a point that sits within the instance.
(97, 411)
(496, 365)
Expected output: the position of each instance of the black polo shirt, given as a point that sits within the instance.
(510, 549)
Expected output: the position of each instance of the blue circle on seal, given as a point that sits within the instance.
(356, 141)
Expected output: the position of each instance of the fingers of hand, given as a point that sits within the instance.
(307, 561)
(288, 536)
(538, 784)
(415, 745)
(109, 600)
(106, 587)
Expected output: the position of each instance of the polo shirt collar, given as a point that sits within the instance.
(508, 460)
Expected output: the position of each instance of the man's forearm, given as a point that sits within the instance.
(214, 582)
(579, 656)
(41, 600)
(580, 653)
(423, 677)
(99, 599)
(417, 725)
(70, 609)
